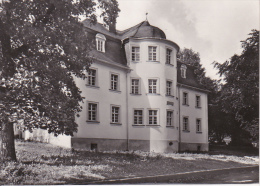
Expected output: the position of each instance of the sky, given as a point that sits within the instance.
(213, 28)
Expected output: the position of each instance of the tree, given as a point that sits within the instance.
(43, 46)
(239, 95)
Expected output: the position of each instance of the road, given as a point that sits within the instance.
(222, 176)
(233, 176)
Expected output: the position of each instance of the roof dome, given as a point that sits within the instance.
(147, 30)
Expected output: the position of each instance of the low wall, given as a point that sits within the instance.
(43, 136)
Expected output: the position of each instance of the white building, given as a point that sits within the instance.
(138, 97)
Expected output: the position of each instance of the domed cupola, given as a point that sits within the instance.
(147, 30)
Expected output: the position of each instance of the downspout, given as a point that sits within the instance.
(127, 125)
(179, 98)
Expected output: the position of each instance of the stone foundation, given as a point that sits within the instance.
(121, 144)
(194, 147)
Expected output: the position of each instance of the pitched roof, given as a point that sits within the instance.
(190, 79)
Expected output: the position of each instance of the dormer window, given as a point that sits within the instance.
(183, 71)
(100, 42)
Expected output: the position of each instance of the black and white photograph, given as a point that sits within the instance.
(129, 92)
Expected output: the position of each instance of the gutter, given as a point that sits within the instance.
(179, 99)
(127, 124)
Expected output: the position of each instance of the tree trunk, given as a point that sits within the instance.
(7, 148)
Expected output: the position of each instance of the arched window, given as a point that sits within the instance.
(183, 71)
(100, 42)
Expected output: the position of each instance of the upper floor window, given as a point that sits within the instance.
(198, 125)
(136, 54)
(153, 117)
(152, 53)
(185, 99)
(185, 123)
(152, 86)
(114, 82)
(135, 86)
(92, 111)
(168, 88)
(168, 56)
(169, 119)
(100, 42)
(183, 71)
(138, 117)
(91, 78)
(198, 102)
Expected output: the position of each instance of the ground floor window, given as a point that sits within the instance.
(138, 117)
(169, 118)
(115, 114)
(198, 125)
(92, 111)
(185, 123)
(153, 117)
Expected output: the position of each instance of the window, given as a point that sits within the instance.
(183, 71)
(91, 79)
(114, 82)
(152, 86)
(185, 98)
(168, 88)
(185, 123)
(198, 101)
(138, 117)
(135, 86)
(115, 114)
(92, 112)
(169, 118)
(198, 125)
(152, 50)
(100, 42)
(168, 56)
(136, 54)
(153, 117)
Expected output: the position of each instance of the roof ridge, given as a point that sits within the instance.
(128, 29)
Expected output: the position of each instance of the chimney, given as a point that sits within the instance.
(112, 26)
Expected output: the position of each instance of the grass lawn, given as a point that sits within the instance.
(40, 163)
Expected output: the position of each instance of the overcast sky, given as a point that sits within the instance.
(214, 28)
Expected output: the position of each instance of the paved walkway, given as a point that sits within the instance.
(248, 174)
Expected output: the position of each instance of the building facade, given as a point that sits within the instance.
(138, 96)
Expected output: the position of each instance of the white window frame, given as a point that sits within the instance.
(198, 125)
(169, 89)
(168, 56)
(183, 71)
(185, 125)
(153, 117)
(152, 86)
(96, 114)
(169, 124)
(114, 114)
(197, 102)
(156, 53)
(135, 55)
(100, 42)
(90, 76)
(112, 82)
(138, 116)
(185, 100)
(134, 86)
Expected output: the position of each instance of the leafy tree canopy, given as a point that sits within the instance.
(239, 94)
(43, 46)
